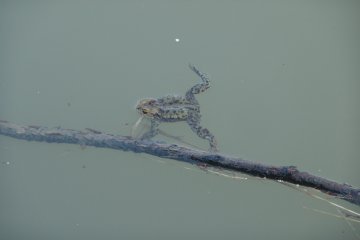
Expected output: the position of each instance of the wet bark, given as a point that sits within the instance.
(95, 138)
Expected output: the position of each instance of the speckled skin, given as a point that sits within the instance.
(177, 108)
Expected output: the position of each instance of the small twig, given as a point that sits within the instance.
(126, 143)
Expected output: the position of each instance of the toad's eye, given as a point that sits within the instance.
(145, 111)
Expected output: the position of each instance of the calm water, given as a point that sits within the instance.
(285, 91)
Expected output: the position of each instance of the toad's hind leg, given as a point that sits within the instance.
(198, 88)
(154, 130)
(194, 123)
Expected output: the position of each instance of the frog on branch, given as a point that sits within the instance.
(174, 108)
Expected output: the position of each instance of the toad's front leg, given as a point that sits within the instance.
(154, 130)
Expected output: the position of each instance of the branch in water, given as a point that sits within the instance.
(91, 137)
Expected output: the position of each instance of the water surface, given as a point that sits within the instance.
(285, 91)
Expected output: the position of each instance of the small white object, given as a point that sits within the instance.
(177, 40)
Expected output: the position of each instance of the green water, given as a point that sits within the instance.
(285, 91)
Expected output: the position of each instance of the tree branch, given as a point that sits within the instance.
(96, 138)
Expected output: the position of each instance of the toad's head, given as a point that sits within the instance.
(147, 107)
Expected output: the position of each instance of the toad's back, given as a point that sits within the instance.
(173, 108)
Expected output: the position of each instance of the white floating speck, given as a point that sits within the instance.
(177, 40)
(7, 163)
